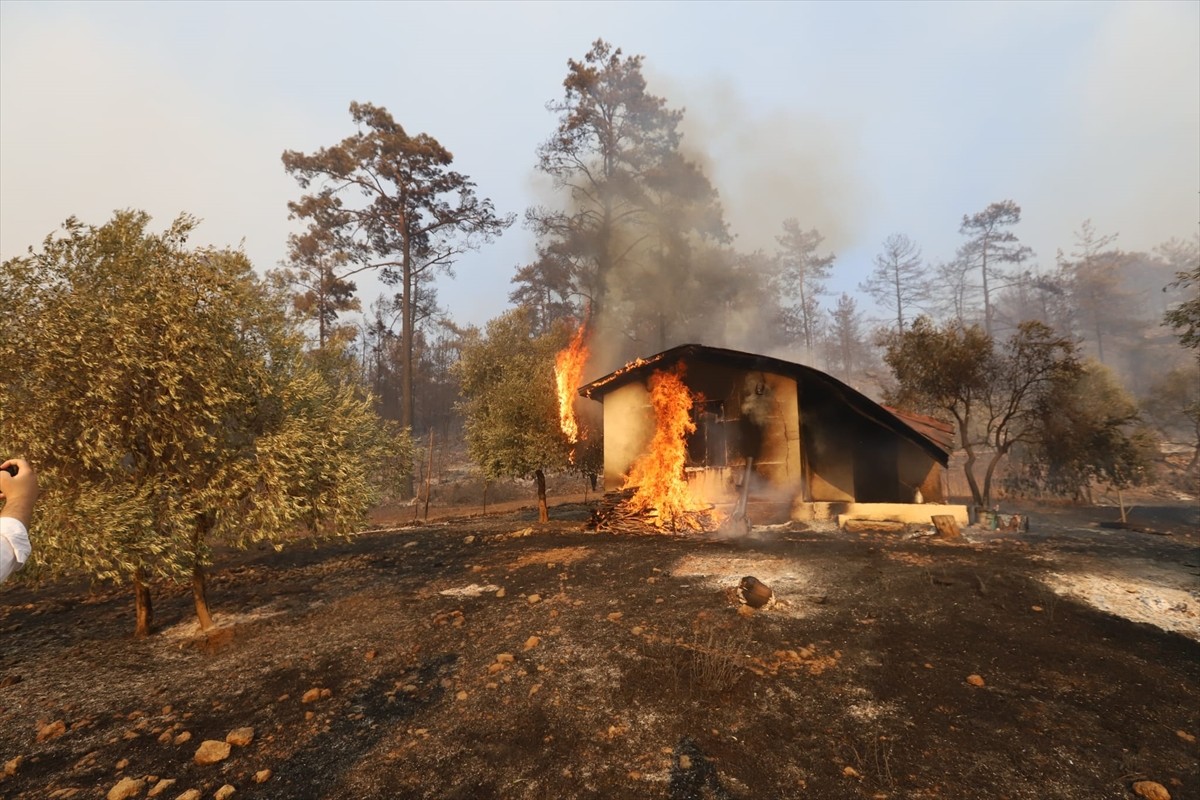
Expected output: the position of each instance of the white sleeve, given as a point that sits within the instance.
(14, 546)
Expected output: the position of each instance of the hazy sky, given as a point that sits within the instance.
(859, 119)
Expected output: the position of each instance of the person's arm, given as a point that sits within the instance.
(19, 493)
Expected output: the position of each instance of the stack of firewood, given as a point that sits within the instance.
(614, 514)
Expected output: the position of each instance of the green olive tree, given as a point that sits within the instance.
(167, 403)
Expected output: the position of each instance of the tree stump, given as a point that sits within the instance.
(946, 525)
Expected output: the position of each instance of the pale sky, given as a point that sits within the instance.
(859, 119)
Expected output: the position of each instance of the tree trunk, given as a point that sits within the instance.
(200, 595)
(543, 509)
(142, 604)
(969, 470)
(987, 476)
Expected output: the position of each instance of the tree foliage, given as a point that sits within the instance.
(1088, 431)
(994, 395)
(1184, 318)
(388, 200)
(510, 401)
(167, 403)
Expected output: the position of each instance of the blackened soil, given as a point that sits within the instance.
(633, 675)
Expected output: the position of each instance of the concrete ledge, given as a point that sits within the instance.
(918, 513)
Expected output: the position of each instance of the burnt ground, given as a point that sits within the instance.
(644, 679)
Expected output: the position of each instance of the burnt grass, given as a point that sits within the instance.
(645, 680)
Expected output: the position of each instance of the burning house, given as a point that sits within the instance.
(800, 443)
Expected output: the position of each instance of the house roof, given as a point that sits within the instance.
(931, 435)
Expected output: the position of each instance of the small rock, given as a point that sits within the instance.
(183, 738)
(51, 730)
(125, 789)
(1036, 608)
(224, 793)
(190, 794)
(1187, 737)
(615, 616)
(850, 772)
(167, 709)
(311, 696)
(160, 787)
(326, 694)
(744, 611)
(12, 765)
(534, 598)
(500, 592)
(1151, 790)
(166, 736)
(240, 737)
(370, 655)
(469, 540)
(537, 687)
(262, 776)
(975, 680)
(495, 667)
(504, 658)
(211, 751)
(636, 630)
(685, 762)
(532, 642)
(462, 695)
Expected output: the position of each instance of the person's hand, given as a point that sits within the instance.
(19, 491)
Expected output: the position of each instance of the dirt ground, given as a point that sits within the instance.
(491, 657)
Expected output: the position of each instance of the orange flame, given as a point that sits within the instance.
(568, 375)
(658, 473)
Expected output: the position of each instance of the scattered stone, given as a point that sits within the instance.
(183, 738)
(308, 715)
(685, 762)
(469, 540)
(262, 776)
(63, 794)
(224, 793)
(1036, 608)
(190, 794)
(166, 736)
(160, 787)
(495, 667)
(326, 694)
(371, 654)
(975, 680)
(12, 765)
(615, 616)
(211, 751)
(532, 642)
(851, 772)
(240, 737)
(1187, 737)
(1151, 790)
(462, 695)
(636, 630)
(311, 696)
(504, 658)
(122, 764)
(744, 611)
(500, 592)
(537, 687)
(928, 665)
(125, 789)
(51, 730)
(534, 598)
(167, 709)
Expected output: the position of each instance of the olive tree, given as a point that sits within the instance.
(167, 403)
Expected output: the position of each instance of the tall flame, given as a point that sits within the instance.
(658, 473)
(568, 375)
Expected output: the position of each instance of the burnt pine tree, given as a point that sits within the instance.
(622, 242)
(802, 275)
(315, 274)
(900, 280)
(392, 203)
(989, 247)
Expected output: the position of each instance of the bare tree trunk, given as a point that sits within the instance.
(543, 509)
(200, 595)
(429, 476)
(142, 604)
